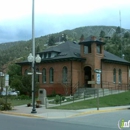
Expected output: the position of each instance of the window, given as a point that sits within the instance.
(44, 75)
(64, 75)
(114, 75)
(87, 49)
(51, 72)
(49, 55)
(98, 48)
(120, 76)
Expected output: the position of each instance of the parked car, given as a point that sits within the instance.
(3, 93)
(13, 93)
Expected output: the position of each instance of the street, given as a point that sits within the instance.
(101, 121)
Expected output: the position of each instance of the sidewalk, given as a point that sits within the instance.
(42, 112)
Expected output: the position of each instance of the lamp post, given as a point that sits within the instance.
(31, 58)
(34, 60)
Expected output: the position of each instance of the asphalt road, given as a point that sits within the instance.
(102, 121)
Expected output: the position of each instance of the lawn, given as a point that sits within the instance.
(111, 100)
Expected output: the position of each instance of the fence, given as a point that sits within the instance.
(91, 93)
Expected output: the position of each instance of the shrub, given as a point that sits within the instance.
(63, 98)
(2, 101)
(4, 106)
(57, 99)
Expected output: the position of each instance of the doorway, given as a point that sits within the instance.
(87, 76)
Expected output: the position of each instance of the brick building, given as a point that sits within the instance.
(69, 66)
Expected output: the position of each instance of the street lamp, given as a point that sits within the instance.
(34, 60)
(31, 58)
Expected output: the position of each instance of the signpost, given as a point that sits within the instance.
(6, 84)
(98, 79)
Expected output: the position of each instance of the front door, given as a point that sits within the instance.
(87, 76)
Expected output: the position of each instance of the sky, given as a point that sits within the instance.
(53, 16)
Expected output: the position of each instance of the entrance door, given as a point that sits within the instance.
(87, 76)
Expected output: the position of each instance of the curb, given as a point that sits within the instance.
(97, 111)
(71, 116)
(20, 114)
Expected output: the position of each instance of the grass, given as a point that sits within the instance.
(16, 102)
(106, 101)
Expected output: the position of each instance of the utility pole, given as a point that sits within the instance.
(120, 32)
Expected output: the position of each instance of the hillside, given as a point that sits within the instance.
(14, 51)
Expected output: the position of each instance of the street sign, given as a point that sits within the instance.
(6, 80)
(98, 78)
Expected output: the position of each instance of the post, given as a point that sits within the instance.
(98, 71)
(33, 62)
(97, 98)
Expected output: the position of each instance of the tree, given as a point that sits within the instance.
(102, 34)
(118, 30)
(51, 41)
(19, 82)
(14, 72)
(127, 35)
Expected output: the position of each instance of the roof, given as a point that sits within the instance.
(109, 57)
(92, 39)
(67, 50)
(71, 51)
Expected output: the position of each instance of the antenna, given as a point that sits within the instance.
(120, 31)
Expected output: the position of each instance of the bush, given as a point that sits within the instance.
(57, 99)
(4, 106)
(23, 97)
(2, 101)
(63, 98)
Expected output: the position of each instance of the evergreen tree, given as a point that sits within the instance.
(51, 41)
(102, 34)
(118, 30)
(127, 35)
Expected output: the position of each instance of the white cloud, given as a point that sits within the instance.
(57, 15)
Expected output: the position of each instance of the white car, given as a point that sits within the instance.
(13, 93)
(3, 93)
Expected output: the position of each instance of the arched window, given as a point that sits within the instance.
(51, 72)
(37, 75)
(120, 76)
(64, 75)
(114, 75)
(44, 75)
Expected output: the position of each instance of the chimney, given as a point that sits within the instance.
(93, 38)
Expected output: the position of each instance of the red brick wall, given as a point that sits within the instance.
(93, 60)
(107, 72)
(58, 86)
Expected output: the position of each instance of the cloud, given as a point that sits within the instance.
(55, 16)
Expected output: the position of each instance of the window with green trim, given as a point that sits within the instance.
(51, 76)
